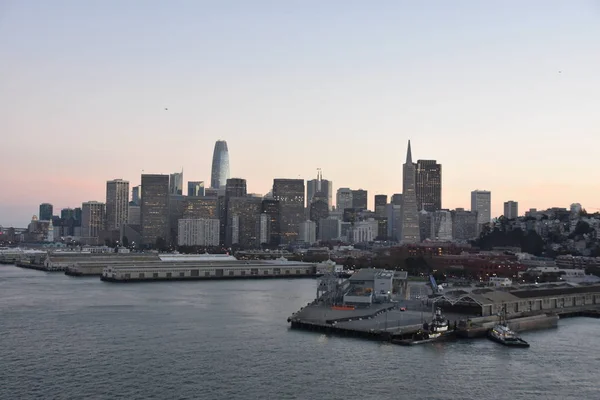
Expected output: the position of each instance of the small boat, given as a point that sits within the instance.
(435, 331)
(502, 334)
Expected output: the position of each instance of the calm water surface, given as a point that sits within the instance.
(80, 338)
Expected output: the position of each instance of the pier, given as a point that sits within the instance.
(339, 310)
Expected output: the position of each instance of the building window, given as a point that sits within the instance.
(155, 275)
(266, 272)
(207, 273)
(195, 272)
(141, 275)
(181, 274)
(243, 273)
(168, 274)
(230, 273)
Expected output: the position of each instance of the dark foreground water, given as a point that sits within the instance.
(79, 338)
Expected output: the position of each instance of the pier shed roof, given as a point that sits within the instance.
(531, 293)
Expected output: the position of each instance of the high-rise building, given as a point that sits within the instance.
(308, 232)
(410, 213)
(198, 232)
(441, 225)
(134, 215)
(236, 187)
(396, 199)
(176, 183)
(364, 231)
(270, 207)
(481, 201)
(46, 212)
(425, 225)
(117, 204)
(220, 165)
(343, 199)
(318, 210)
(329, 229)
(511, 209)
(243, 217)
(359, 199)
(464, 224)
(136, 191)
(155, 208)
(195, 188)
(92, 218)
(290, 194)
(380, 203)
(319, 185)
(428, 185)
(67, 213)
(200, 208)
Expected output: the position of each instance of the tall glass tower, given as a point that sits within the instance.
(220, 165)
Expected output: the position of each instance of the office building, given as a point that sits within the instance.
(318, 209)
(176, 183)
(136, 192)
(394, 221)
(270, 208)
(200, 208)
(46, 212)
(198, 232)
(396, 199)
(464, 224)
(134, 215)
(195, 189)
(380, 203)
(359, 199)
(290, 194)
(243, 217)
(329, 229)
(441, 225)
(117, 204)
(220, 165)
(511, 209)
(428, 185)
(364, 231)
(481, 201)
(343, 199)
(410, 213)
(236, 187)
(154, 208)
(93, 214)
(319, 186)
(308, 232)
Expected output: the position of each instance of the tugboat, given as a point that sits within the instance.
(436, 330)
(502, 334)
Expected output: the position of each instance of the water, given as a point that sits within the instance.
(79, 338)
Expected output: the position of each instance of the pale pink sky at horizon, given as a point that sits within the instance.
(300, 86)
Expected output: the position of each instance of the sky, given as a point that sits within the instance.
(505, 95)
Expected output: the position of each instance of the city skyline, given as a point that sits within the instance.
(490, 91)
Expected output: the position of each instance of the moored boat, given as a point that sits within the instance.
(502, 334)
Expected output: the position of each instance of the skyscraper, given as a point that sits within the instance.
(290, 194)
(410, 213)
(92, 218)
(176, 183)
(270, 207)
(380, 203)
(155, 208)
(220, 165)
(319, 185)
(343, 199)
(135, 195)
(511, 209)
(117, 203)
(481, 201)
(195, 188)
(46, 212)
(429, 185)
(359, 199)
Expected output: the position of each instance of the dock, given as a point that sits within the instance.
(343, 309)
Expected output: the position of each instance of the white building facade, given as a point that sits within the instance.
(198, 232)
